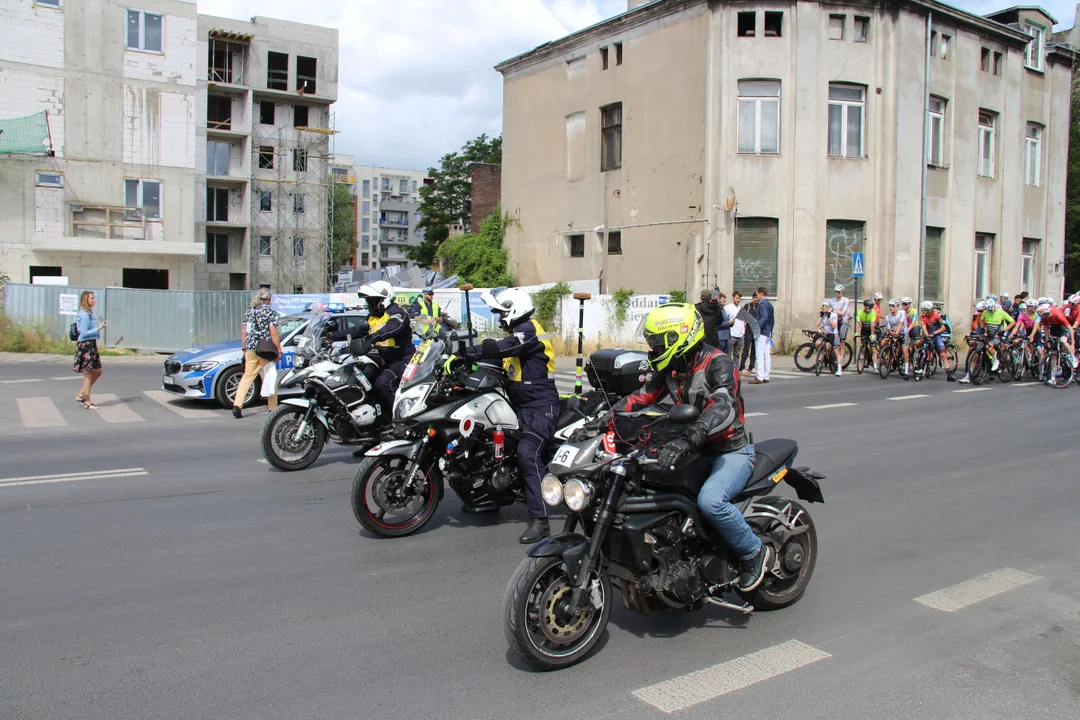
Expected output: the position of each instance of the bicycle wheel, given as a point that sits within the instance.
(1005, 369)
(954, 357)
(1017, 358)
(848, 353)
(819, 364)
(804, 357)
(885, 361)
(978, 367)
(860, 356)
(1056, 370)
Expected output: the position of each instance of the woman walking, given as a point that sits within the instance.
(262, 345)
(87, 359)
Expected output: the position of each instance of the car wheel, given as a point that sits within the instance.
(226, 383)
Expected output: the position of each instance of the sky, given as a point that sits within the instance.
(416, 78)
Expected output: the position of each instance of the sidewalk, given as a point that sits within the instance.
(7, 358)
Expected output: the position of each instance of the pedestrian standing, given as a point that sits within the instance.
(751, 332)
(738, 328)
(723, 323)
(766, 320)
(751, 354)
(87, 358)
(710, 312)
(262, 345)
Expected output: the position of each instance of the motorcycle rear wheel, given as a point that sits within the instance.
(278, 430)
(797, 557)
(378, 480)
(537, 630)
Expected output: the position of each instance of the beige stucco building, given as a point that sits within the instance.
(738, 144)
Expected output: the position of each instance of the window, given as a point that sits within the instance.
(934, 43)
(266, 157)
(143, 31)
(217, 158)
(414, 186)
(932, 264)
(144, 278)
(759, 116)
(217, 248)
(266, 112)
(774, 22)
(365, 207)
(144, 195)
(756, 251)
(846, 120)
(365, 241)
(984, 245)
(365, 224)
(836, 27)
(277, 71)
(997, 63)
(1028, 250)
(384, 253)
(611, 137)
(299, 160)
(339, 172)
(298, 204)
(219, 112)
(1033, 155)
(266, 201)
(843, 238)
(300, 116)
(305, 74)
(946, 41)
(862, 28)
(217, 204)
(237, 281)
(618, 53)
(48, 3)
(987, 121)
(49, 179)
(747, 20)
(614, 242)
(575, 245)
(403, 186)
(264, 246)
(298, 247)
(1036, 48)
(365, 258)
(935, 151)
(984, 61)
(45, 271)
(365, 192)
(603, 58)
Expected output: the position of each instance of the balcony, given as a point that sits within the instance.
(227, 58)
(394, 222)
(398, 206)
(109, 228)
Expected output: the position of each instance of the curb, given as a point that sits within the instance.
(8, 358)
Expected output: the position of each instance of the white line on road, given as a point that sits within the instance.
(976, 590)
(163, 398)
(72, 477)
(113, 410)
(906, 397)
(755, 414)
(967, 390)
(1025, 384)
(829, 407)
(40, 412)
(697, 687)
(20, 382)
(69, 377)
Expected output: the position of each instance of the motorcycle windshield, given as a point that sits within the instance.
(424, 362)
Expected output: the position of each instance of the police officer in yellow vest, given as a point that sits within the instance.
(427, 312)
(390, 332)
(529, 360)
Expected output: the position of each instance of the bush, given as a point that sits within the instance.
(548, 303)
(31, 338)
(479, 258)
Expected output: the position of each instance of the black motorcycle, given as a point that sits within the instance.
(459, 428)
(642, 531)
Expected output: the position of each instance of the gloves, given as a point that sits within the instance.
(675, 449)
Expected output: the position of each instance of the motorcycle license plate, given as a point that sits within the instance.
(421, 351)
(565, 456)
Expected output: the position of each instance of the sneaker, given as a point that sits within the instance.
(752, 572)
(1072, 361)
(875, 367)
(949, 377)
(996, 364)
(964, 380)
(237, 412)
(538, 529)
(839, 372)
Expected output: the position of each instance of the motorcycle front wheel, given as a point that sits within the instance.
(384, 504)
(282, 448)
(538, 628)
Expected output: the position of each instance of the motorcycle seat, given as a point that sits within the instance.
(771, 455)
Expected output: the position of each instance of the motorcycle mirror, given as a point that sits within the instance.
(466, 427)
(683, 414)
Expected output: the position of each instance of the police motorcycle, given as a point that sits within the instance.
(337, 401)
(457, 428)
(641, 531)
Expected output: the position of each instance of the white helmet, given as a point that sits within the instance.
(1075, 298)
(906, 300)
(512, 305)
(991, 305)
(926, 305)
(826, 304)
(878, 296)
(980, 306)
(991, 297)
(1023, 306)
(1044, 309)
(894, 303)
(1044, 301)
(378, 294)
(838, 288)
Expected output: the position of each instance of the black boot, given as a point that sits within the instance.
(237, 412)
(753, 571)
(537, 530)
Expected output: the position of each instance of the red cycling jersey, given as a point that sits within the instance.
(1056, 318)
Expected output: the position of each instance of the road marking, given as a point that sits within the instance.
(20, 382)
(1027, 384)
(828, 407)
(163, 398)
(967, 390)
(115, 412)
(72, 477)
(40, 412)
(697, 687)
(906, 397)
(755, 414)
(976, 590)
(69, 377)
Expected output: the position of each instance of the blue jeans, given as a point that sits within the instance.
(730, 473)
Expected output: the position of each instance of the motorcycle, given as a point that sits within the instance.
(459, 428)
(641, 530)
(337, 403)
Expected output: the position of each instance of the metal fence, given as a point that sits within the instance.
(155, 320)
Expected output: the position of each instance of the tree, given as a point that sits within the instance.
(448, 199)
(1072, 195)
(479, 258)
(342, 229)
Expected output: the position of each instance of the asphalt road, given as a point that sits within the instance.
(189, 580)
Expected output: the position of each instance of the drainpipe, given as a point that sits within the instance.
(926, 154)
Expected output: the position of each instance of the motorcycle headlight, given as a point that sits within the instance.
(299, 361)
(201, 366)
(552, 490)
(577, 494)
(411, 402)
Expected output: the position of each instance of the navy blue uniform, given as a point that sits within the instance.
(391, 333)
(529, 361)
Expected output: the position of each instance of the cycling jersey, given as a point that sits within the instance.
(995, 321)
(932, 323)
(840, 305)
(1055, 321)
(1026, 322)
(896, 322)
(828, 323)
(867, 318)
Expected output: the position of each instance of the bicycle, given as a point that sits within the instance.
(980, 363)
(864, 352)
(825, 356)
(806, 354)
(890, 356)
(924, 359)
(1056, 370)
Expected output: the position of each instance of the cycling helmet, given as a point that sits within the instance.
(906, 300)
(1075, 298)
(378, 295)
(926, 305)
(894, 303)
(991, 297)
(1024, 306)
(1044, 301)
(673, 332)
(878, 296)
(1044, 309)
(838, 288)
(868, 303)
(980, 306)
(510, 305)
(991, 305)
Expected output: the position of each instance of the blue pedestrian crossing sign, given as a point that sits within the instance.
(857, 264)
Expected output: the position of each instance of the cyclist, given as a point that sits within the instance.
(828, 324)
(909, 330)
(1074, 310)
(994, 321)
(976, 330)
(934, 327)
(878, 300)
(866, 324)
(840, 307)
(1057, 326)
(1027, 328)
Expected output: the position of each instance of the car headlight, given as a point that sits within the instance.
(412, 401)
(577, 494)
(201, 366)
(552, 490)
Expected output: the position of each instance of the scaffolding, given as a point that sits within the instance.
(290, 173)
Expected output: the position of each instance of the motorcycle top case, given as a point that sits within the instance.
(617, 371)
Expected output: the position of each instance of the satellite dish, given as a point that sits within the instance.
(729, 199)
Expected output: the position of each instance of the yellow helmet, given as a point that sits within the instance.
(671, 331)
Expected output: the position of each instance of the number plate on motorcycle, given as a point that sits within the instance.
(421, 351)
(565, 455)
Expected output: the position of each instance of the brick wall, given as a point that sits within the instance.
(176, 64)
(486, 191)
(159, 127)
(25, 93)
(49, 212)
(31, 34)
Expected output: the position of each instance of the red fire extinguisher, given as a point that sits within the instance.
(499, 438)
